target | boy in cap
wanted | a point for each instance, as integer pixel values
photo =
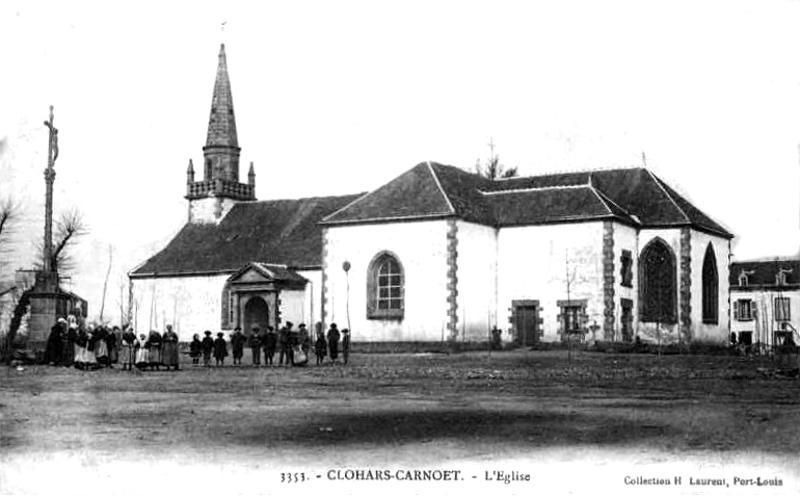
(345, 345)
(208, 348)
(255, 346)
(270, 345)
(220, 349)
(195, 349)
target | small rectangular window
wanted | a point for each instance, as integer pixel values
(626, 270)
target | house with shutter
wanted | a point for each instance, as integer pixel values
(765, 301)
(439, 254)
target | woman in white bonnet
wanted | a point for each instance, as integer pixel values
(142, 352)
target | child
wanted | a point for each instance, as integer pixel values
(237, 345)
(320, 348)
(345, 345)
(220, 349)
(208, 348)
(195, 349)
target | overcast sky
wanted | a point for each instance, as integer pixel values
(340, 97)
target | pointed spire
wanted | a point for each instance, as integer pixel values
(190, 169)
(251, 176)
(222, 124)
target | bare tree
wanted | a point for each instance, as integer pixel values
(69, 228)
(9, 211)
(105, 282)
(493, 169)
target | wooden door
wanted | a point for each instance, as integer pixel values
(526, 323)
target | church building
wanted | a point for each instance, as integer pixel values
(439, 254)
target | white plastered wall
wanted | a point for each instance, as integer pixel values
(191, 304)
(293, 307)
(312, 304)
(477, 280)
(533, 263)
(719, 332)
(421, 248)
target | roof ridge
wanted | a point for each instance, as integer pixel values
(662, 188)
(565, 171)
(617, 205)
(390, 218)
(305, 198)
(597, 194)
(527, 190)
(441, 189)
(348, 205)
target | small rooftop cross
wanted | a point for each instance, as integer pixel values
(491, 148)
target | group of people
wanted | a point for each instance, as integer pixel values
(89, 347)
(292, 347)
(85, 347)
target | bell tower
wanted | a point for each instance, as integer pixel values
(220, 189)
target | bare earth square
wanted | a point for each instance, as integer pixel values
(510, 409)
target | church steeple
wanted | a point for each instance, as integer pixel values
(220, 155)
(222, 123)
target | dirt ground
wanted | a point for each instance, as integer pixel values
(569, 424)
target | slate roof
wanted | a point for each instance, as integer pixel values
(288, 232)
(284, 232)
(761, 273)
(634, 196)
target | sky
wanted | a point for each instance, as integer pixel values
(340, 97)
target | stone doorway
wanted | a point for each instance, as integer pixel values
(256, 314)
(526, 322)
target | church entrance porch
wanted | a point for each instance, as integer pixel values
(258, 295)
(256, 313)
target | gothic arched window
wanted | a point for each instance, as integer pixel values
(657, 283)
(385, 288)
(710, 287)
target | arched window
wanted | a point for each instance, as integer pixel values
(385, 288)
(657, 283)
(710, 287)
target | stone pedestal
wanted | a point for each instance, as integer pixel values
(48, 303)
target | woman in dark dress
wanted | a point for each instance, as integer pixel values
(333, 342)
(169, 348)
(52, 352)
(68, 345)
(154, 340)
